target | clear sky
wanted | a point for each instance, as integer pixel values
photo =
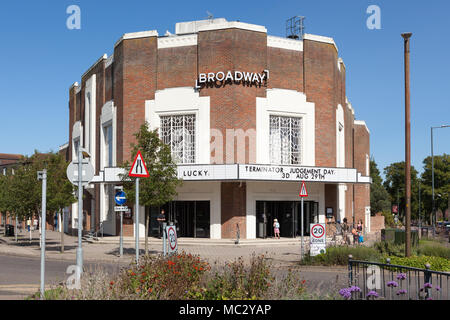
(40, 58)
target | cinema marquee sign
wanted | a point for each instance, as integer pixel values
(294, 173)
(266, 173)
(233, 76)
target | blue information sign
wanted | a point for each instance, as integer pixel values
(120, 198)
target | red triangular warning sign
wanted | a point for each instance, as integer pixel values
(139, 169)
(303, 191)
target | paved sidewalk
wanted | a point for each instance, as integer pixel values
(283, 252)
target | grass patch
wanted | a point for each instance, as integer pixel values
(338, 255)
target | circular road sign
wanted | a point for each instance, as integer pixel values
(87, 173)
(172, 237)
(120, 198)
(318, 231)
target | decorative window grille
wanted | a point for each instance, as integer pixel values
(285, 140)
(178, 131)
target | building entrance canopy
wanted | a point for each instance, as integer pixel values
(251, 172)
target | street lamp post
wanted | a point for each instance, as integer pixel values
(79, 252)
(406, 37)
(433, 213)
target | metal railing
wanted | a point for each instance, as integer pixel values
(370, 280)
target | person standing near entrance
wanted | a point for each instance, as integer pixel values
(345, 229)
(276, 228)
(161, 219)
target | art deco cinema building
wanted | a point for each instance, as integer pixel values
(248, 117)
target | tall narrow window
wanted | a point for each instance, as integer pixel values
(178, 131)
(108, 155)
(285, 140)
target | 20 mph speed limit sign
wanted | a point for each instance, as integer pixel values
(172, 239)
(317, 238)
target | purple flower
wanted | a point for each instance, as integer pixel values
(345, 293)
(438, 288)
(403, 291)
(428, 285)
(392, 284)
(355, 289)
(372, 294)
(401, 276)
(430, 298)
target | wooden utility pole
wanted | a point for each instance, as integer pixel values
(406, 37)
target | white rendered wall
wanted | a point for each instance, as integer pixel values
(340, 160)
(107, 117)
(284, 102)
(183, 100)
(280, 191)
(90, 122)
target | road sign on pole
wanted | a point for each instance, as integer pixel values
(317, 238)
(172, 239)
(87, 172)
(120, 198)
(303, 193)
(138, 169)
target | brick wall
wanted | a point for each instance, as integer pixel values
(320, 87)
(233, 106)
(377, 223)
(233, 208)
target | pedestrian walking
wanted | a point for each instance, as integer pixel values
(276, 228)
(29, 225)
(359, 229)
(355, 235)
(35, 224)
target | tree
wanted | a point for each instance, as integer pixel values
(5, 199)
(379, 197)
(160, 187)
(441, 183)
(395, 183)
(23, 195)
(59, 189)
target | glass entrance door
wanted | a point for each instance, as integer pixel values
(288, 214)
(191, 218)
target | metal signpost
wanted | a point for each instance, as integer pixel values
(138, 170)
(42, 175)
(80, 172)
(164, 239)
(317, 238)
(120, 199)
(303, 193)
(172, 239)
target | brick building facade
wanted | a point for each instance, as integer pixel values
(248, 116)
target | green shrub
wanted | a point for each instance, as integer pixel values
(338, 255)
(236, 281)
(436, 249)
(388, 219)
(436, 263)
(185, 276)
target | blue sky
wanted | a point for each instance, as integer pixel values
(40, 58)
